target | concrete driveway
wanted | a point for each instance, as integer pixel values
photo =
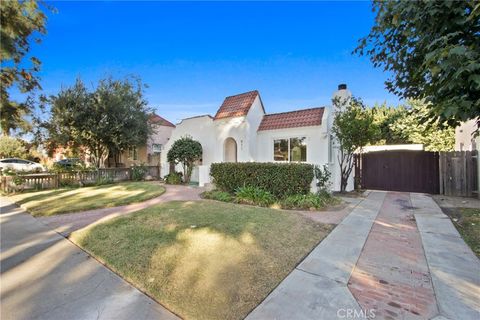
(45, 276)
(396, 256)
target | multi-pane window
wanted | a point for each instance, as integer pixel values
(156, 148)
(133, 153)
(292, 149)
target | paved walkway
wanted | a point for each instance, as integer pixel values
(396, 256)
(391, 275)
(69, 222)
(45, 276)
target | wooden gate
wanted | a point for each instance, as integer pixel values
(405, 170)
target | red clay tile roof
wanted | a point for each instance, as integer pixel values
(292, 119)
(155, 118)
(236, 106)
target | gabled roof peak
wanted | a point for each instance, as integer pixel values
(237, 105)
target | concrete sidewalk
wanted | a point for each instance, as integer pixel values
(45, 276)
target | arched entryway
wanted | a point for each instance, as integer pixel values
(230, 150)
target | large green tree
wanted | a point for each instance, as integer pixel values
(353, 128)
(22, 21)
(112, 117)
(413, 126)
(432, 50)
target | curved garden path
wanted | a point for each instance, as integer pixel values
(69, 222)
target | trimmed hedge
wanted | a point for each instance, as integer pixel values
(280, 179)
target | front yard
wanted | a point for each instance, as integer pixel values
(204, 259)
(50, 202)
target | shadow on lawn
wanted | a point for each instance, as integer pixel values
(202, 260)
(46, 203)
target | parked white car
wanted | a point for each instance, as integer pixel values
(20, 165)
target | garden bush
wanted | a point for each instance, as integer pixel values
(218, 195)
(279, 179)
(311, 201)
(174, 178)
(254, 196)
(139, 172)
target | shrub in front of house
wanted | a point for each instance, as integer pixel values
(279, 179)
(310, 201)
(254, 196)
(173, 178)
(218, 195)
(139, 172)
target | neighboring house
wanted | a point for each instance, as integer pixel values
(464, 138)
(241, 131)
(148, 154)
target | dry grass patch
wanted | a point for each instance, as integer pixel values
(204, 259)
(50, 202)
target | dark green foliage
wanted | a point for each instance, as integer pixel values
(112, 117)
(280, 179)
(432, 51)
(254, 196)
(218, 195)
(139, 172)
(310, 201)
(173, 178)
(185, 151)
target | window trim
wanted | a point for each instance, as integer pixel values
(288, 147)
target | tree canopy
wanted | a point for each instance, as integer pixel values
(22, 21)
(185, 151)
(112, 117)
(11, 147)
(432, 49)
(412, 127)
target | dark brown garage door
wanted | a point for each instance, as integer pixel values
(410, 171)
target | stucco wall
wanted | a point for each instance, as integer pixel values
(200, 129)
(464, 140)
(316, 141)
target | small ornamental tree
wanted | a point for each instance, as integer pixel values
(354, 128)
(185, 151)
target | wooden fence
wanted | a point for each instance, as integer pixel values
(55, 180)
(459, 173)
(453, 173)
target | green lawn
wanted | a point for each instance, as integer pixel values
(204, 259)
(50, 202)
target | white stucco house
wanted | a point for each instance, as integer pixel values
(242, 131)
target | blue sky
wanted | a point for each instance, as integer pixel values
(192, 55)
